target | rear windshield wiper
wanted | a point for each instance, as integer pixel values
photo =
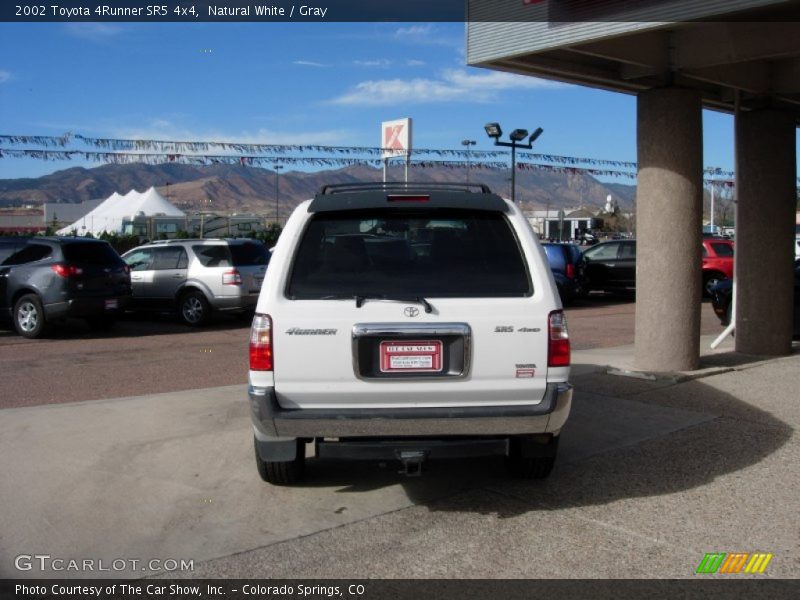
(361, 298)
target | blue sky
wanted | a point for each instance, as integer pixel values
(291, 83)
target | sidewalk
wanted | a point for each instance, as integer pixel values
(652, 474)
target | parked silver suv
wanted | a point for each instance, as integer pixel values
(197, 276)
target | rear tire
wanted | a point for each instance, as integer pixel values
(531, 467)
(282, 472)
(193, 308)
(29, 319)
(710, 280)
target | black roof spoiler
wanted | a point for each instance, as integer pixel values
(397, 194)
(402, 186)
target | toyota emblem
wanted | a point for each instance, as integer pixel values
(411, 311)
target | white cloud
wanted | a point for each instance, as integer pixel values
(92, 31)
(415, 63)
(427, 34)
(415, 31)
(381, 62)
(497, 80)
(307, 63)
(4, 76)
(453, 85)
(160, 129)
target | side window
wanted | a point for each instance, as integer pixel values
(627, 251)
(723, 249)
(28, 254)
(7, 249)
(604, 252)
(705, 252)
(183, 259)
(168, 258)
(141, 260)
(213, 255)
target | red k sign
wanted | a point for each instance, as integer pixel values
(396, 138)
(391, 137)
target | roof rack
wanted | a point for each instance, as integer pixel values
(180, 240)
(403, 186)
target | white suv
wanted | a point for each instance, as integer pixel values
(407, 322)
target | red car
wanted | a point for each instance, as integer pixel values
(717, 262)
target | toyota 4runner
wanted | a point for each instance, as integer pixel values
(407, 322)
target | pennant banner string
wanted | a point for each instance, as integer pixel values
(245, 153)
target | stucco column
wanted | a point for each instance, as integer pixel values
(669, 210)
(765, 215)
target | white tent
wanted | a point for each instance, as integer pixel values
(109, 215)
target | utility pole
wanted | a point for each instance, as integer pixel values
(277, 193)
(468, 143)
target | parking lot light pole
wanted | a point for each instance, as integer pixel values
(493, 130)
(277, 192)
(468, 143)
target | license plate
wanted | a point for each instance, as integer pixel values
(112, 304)
(411, 356)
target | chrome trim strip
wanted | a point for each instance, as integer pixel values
(367, 330)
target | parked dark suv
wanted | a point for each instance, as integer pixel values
(43, 280)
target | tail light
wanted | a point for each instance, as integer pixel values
(232, 278)
(66, 271)
(261, 344)
(570, 271)
(558, 352)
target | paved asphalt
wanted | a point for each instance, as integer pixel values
(652, 474)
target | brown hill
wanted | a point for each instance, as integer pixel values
(248, 189)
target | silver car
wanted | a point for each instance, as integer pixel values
(197, 276)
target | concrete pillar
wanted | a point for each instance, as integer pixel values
(669, 211)
(765, 215)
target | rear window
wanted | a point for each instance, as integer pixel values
(94, 253)
(249, 254)
(447, 253)
(555, 256)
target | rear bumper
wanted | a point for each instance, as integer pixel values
(273, 421)
(87, 306)
(234, 303)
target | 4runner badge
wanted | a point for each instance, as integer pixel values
(297, 331)
(411, 311)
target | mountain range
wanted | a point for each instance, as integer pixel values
(243, 189)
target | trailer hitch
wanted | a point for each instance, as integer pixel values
(411, 462)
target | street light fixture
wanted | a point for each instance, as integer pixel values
(493, 130)
(277, 192)
(468, 143)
